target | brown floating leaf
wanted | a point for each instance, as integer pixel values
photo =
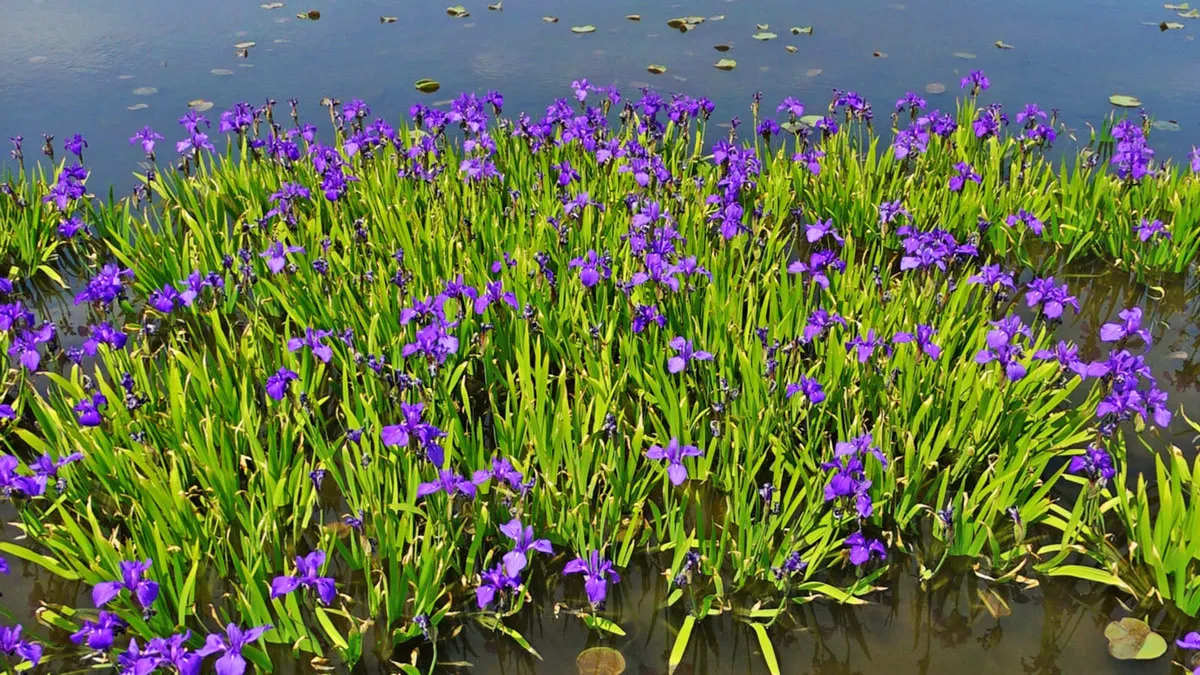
(879, 55)
(600, 661)
(634, 17)
(792, 48)
(656, 69)
(313, 15)
(388, 19)
(721, 47)
(1131, 638)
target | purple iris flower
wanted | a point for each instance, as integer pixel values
(674, 454)
(794, 108)
(104, 334)
(809, 387)
(924, 339)
(645, 315)
(230, 646)
(814, 231)
(1031, 221)
(1132, 156)
(277, 384)
(1129, 326)
(1189, 641)
(308, 570)
(1194, 158)
(566, 173)
(72, 226)
(597, 573)
(977, 81)
(810, 159)
(1095, 463)
(98, 634)
(1002, 347)
(1051, 297)
(434, 342)
(11, 644)
(172, 650)
(89, 410)
(817, 264)
(7, 412)
(313, 339)
(1147, 230)
(106, 286)
(890, 211)
(990, 275)
(863, 549)
(6, 285)
(133, 580)
(146, 138)
(276, 255)
(452, 484)
(864, 346)
(11, 481)
(75, 145)
(965, 173)
(25, 345)
(1067, 356)
(48, 468)
(413, 428)
(523, 542)
(493, 582)
(817, 322)
(192, 145)
(685, 353)
(135, 661)
(494, 292)
(592, 268)
(4, 566)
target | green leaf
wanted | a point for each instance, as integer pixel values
(1123, 101)
(802, 30)
(50, 564)
(427, 86)
(681, 641)
(764, 36)
(600, 623)
(1001, 44)
(1132, 638)
(583, 29)
(656, 69)
(764, 643)
(725, 64)
(457, 11)
(493, 623)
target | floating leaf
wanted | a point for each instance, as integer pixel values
(935, 88)
(721, 47)
(1123, 101)
(1193, 14)
(271, 5)
(1170, 25)
(600, 661)
(725, 64)
(583, 29)
(762, 26)
(550, 19)
(656, 69)
(497, 6)
(458, 11)
(200, 105)
(1131, 638)
(388, 19)
(792, 48)
(764, 36)
(1001, 44)
(427, 86)
(811, 120)
(802, 30)
(719, 17)
(244, 45)
(1166, 125)
(1177, 8)
(634, 17)
(221, 71)
(145, 91)
(964, 55)
(813, 72)
(312, 15)
(879, 55)
(138, 106)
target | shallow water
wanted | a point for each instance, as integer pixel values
(73, 65)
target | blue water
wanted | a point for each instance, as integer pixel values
(72, 65)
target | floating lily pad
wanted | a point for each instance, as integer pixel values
(221, 71)
(600, 661)
(685, 23)
(935, 88)
(124, 77)
(656, 69)
(1181, 7)
(1191, 14)
(634, 17)
(271, 5)
(138, 106)
(312, 15)
(244, 45)
(811, 120)
(200, 105)
(388, 19)
(719, 17)
(1131, 638)
(725, 64)
(721, 47)
(879, 55)
(583, 29)
(37, 59)
(1001, 44)
(813, 72)
(1170, 25)
(764, 36)
(792, 48)
(550, 19)
(802, 30)
(964, 55)
(762, 26)
(1123, 101)
(427, 86)
(458, 11)
(497, 6)
(145, 91)
(1165, 125)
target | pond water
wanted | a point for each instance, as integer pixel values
(105, 69)
(80, 65)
